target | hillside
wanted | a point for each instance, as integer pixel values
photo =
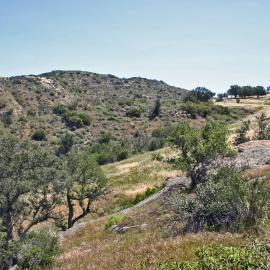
(27, 102)
(143, 209)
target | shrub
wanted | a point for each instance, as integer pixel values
(141, 197)
(114, 220)
(3, 104)
(134, 112)
(37, 250)
(107, 153)
(105, 137)
(263, 132)
(156, 143)
(72, 118)
(204, 109)
(60, 109)
(76, 120)
(39, 135)
(226, 201)
(7, 118)
(66, 143)
(121, 152)
(253, 256)
(241, 133)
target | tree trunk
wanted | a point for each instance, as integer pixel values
(7, 220)
(70, 211)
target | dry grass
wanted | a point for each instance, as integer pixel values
(139, 172)
(94, 248)
(91, 247)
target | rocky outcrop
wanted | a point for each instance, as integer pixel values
(252, 154)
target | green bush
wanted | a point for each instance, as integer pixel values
(253, 256)
(72, 118)
(37, 250)
(114, 220)
(66, 143)
(108, 153)
(105, 137)
(76, 120)
(134, 112)
(156, 143)
(39, 135)
(60, 109)
(226, 201)
(141, 197)
(204, 109)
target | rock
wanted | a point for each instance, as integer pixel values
(143, 226)
(253, 154)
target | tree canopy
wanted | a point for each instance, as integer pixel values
(199, 94)
(244, 91)
(199, 148)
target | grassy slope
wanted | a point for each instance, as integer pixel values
(93, 248)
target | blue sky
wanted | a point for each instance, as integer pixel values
(187, 43)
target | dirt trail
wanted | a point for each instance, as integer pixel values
(261, 105)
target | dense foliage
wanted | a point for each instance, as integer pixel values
(244, 91)
(199, 94)
(36, 251)
(71, 117)
(226, 201)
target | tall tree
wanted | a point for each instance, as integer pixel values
(234, 90)
(30, 187)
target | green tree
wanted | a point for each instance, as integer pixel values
(200, 94)
(155, 112)
(241, 133)
(30, 187)
(199, 149)
(85, 183)
(234, 90)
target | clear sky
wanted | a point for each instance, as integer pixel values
(187, 43)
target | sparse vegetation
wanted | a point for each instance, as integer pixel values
(80, 173)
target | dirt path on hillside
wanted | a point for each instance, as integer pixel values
(261, 105)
